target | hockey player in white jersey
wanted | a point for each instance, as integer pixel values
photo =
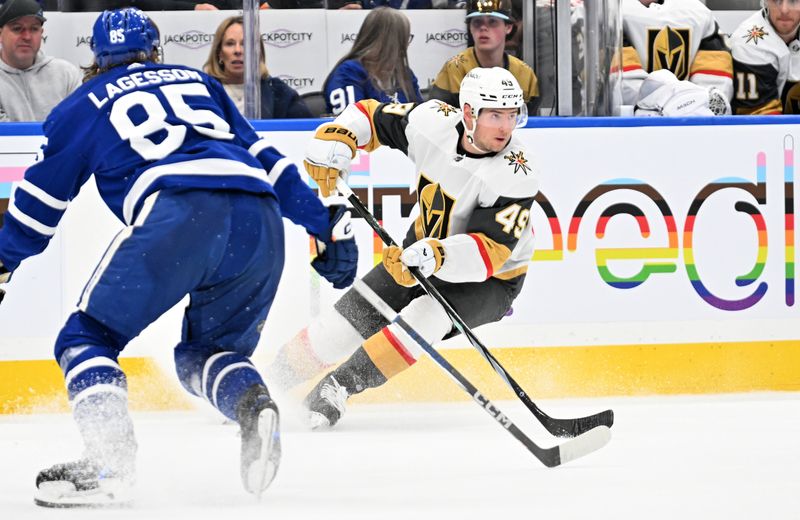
(681, 36)
(475, 188)
(766, 60)
(201, 196)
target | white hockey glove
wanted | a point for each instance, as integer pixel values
(718, 103)
(662, 94)
(328, 156)
(426, 254)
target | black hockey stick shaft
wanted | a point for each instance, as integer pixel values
(559, 427)
(551, 457)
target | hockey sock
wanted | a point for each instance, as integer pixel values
(359, 373)
(296, 362)
(223, 391)
(98, 391)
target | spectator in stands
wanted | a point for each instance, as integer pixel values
(149, 5)
(31, 84)
(311, 4)
(490, 22)
(410, 4)
(226, 63)
(764, 47)
(376, 66)
(679, 35)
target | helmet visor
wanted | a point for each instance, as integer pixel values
(503, 117)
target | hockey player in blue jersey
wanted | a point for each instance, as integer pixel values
(202, 198)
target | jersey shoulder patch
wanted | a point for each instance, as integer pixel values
(512, 172)
(433, 123)
(434, 115)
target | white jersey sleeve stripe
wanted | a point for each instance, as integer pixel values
(31, 222)
(278, 169)
(43, 196)
(256, 147)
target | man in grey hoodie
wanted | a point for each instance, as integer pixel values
(31, 84)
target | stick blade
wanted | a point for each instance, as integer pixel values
(584, 444)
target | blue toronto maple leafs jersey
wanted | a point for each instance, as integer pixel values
(350, 82)
(139, 129)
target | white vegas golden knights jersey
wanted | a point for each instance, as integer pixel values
(679, 35)
(478, 206)
(766, 69)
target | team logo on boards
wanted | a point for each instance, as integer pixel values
(668, 48)
(283, 38)
(754, 34)
(435, 207)
(193, 39)
(518, 161)
(451, 37)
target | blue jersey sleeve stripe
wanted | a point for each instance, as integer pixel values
(201, 167)
(43, 196)
(30, 222)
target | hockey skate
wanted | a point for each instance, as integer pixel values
(261, 441)
(81, 483)
(326, 403)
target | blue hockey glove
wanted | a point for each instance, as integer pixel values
(337, 258)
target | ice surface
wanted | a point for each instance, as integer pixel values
(704, 457)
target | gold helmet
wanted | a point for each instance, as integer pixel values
(497, 8)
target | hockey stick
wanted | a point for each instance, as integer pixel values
(572, 449)
(556, 426)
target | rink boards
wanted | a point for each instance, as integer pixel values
(665, 264)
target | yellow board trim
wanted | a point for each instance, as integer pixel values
(544, 372)
(630, 370)
(38, 387)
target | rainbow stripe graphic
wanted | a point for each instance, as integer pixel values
(665, 257)
(759, 192)
(788, 187)
(556, 253)
(8, 176)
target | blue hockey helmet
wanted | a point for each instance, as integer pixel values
(122, 35)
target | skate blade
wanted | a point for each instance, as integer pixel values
(262, 471)
(63, 495)
(318, 421)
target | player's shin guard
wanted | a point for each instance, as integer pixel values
(323, 343)
(261, 442)
(381, 357)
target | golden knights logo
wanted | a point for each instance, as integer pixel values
(669, 48)
(754, 34)
(435, 207)
(518, 161)
(444, 108)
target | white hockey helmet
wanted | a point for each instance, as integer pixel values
(492, 88)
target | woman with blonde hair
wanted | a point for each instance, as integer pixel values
(226, 63)
(377, 65)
